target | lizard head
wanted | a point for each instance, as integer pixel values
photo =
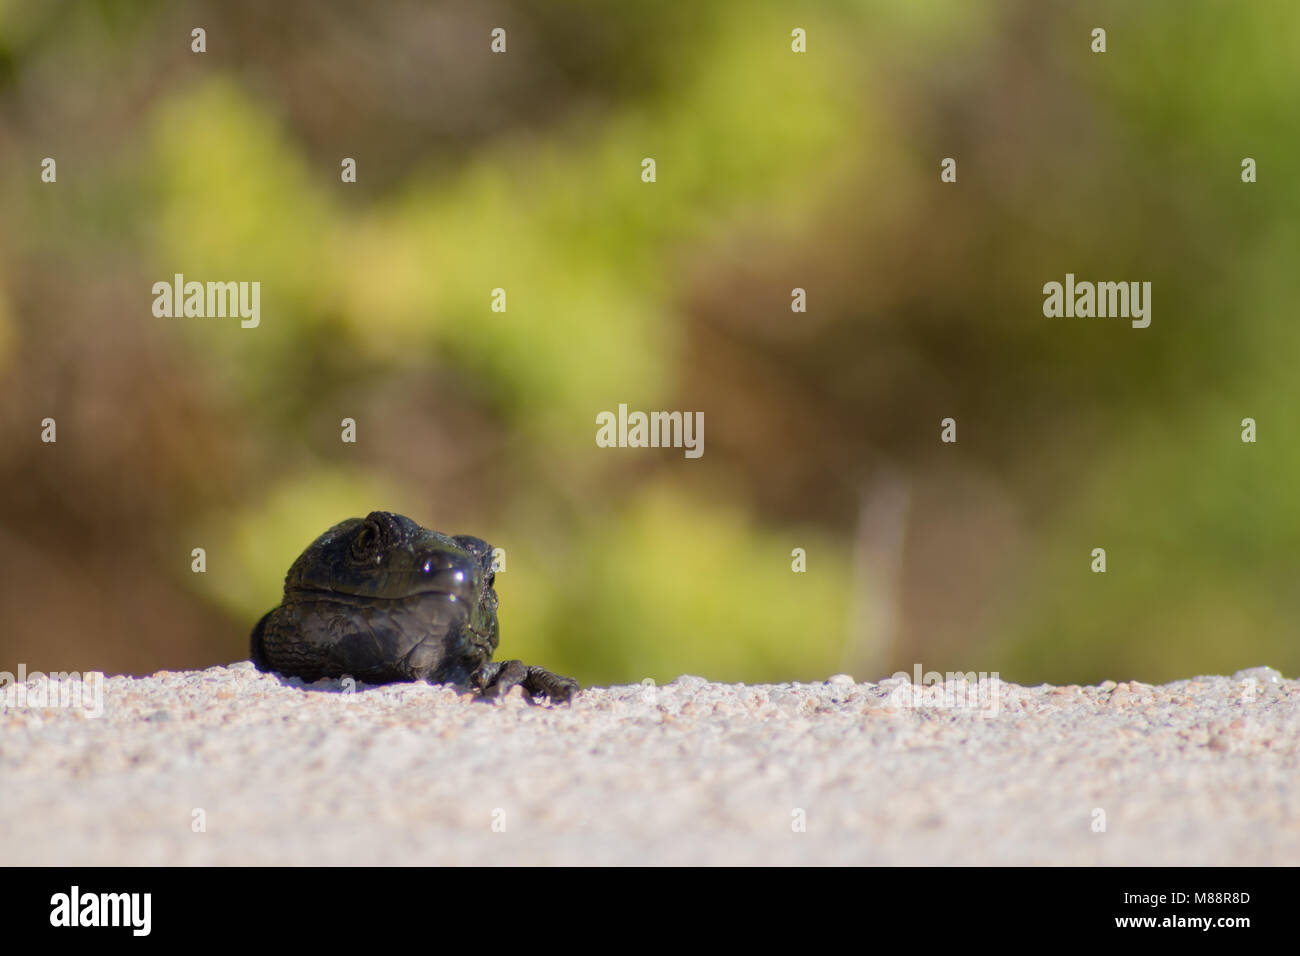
(388, 557)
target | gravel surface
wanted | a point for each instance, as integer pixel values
(230, 766)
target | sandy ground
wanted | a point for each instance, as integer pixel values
(230, 766)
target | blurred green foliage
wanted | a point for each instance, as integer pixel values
(774, 170)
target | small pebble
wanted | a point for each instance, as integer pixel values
(1265, 675)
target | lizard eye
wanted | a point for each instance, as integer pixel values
(366, 541)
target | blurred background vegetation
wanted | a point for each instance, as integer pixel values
(775, 171)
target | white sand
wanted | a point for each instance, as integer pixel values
(1196, 772)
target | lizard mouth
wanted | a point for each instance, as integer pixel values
(400, 576)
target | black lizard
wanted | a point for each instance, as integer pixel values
(382, 599)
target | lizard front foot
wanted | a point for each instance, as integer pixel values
(495, 678)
